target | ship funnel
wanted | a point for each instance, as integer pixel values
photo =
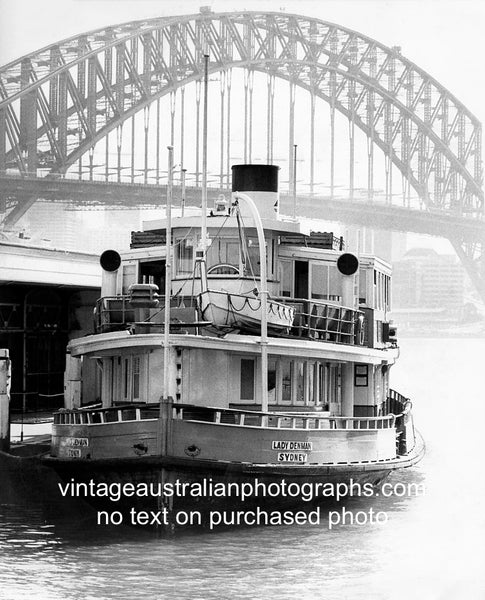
(348, 265)
(110, 261)
(260, 182)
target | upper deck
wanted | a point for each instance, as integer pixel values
(302, 274)
(310, 287)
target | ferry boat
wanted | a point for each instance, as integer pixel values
(267, 357)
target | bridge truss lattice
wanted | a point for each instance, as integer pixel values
(57, 105)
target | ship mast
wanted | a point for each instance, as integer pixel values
(168, 274)
(204, 156)
(201, 250)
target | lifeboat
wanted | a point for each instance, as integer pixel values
(229, 311)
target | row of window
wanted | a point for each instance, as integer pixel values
(322, 281)
(298, 279)
(124, 379)
(382, 291)
(293, 382)
(225, 251)
(290, 382)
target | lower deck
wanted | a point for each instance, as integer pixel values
(116, 368)
(233, 436)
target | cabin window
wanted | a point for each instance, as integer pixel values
(334, 283)
(153, 272)
(382, 296)
(378, 330)
(223, 252)
(128, 378)
(381, 291)
(136, 378)
(319, 281)
(286, 278)
(272, 392)
(300, 381)
(311, 388)
(105, 367)
(361, 375)
(272, 258)
(362, 286)
(334, 383)
(254, 266)
(247, 379)
(116, 382)
(330, 383)
(322, 397)
(231, 251)
(376, 290)
(286, 372)
(325, 282)
(185, 256)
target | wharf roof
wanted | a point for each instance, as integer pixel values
(27, 264)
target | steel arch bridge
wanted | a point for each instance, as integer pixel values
(57, 105)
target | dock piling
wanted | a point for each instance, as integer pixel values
(5, 375)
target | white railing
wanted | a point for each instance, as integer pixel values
(301, 421)
(222, 416)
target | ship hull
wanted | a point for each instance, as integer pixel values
(202, 487)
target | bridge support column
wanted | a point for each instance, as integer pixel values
(474, 265)
(28, 119)
(24, 202)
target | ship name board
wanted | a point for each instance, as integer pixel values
(291, 445)
(73, 453)
(76, 442)
(294, 457)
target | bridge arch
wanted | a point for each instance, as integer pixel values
(58, 102)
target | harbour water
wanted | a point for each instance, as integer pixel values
(431, 547)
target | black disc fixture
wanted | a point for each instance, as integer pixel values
(347, 264)
(110, 260)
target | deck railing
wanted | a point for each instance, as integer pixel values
(277, 420)
(221, 416)
(314, 319)
(393, 408)
(96, 416)
(112, 313)
(396, 404)
(115, 313)
(326, 321)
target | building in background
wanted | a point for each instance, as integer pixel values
(428, 290)
(389, 245)
(52, 224)
(62, 226)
